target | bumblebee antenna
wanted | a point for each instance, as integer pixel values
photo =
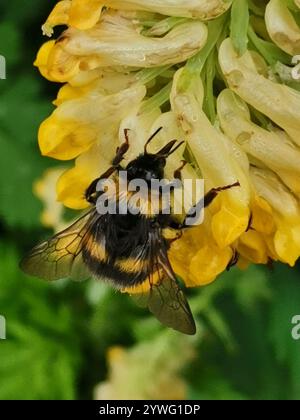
(150, 139)
(169, 148)
(175, 148)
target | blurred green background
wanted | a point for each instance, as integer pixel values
(64, 339)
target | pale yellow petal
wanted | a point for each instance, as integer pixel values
(200, 9)
(84, 14)
(279, 102)
(218, 167)
(282, 27)
(262, 144)
(77, 123)
(113, 42)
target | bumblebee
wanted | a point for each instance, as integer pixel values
(125, 250)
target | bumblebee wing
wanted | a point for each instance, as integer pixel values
(165, 298)
(61, 256)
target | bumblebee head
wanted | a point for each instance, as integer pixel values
(150, 166)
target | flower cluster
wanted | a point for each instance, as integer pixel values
(217, 74)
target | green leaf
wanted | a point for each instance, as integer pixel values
(214, 387)
(21, 111)
(268, 50)
(40, 359)
(14, 10)
(215, 30)
(286, 306)
(257, 9)
(19, 168)
(10, 42)
(209, 103)
(239, 25)
(291, 5)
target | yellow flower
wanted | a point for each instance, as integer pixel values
(82, 117)
(285, 206)
(197, 258)
(141, 65)
(118, 41)
(73, 183)
(81, 14)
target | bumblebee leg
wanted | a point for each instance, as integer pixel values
(177, 173)
(204, 202)
(234, 260)
(91, 193)
(214, 192)
(122, 150)
(174, 224)
(178, 236)
(249, 227)
(151, 138)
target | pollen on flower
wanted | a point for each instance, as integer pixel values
(139, 65)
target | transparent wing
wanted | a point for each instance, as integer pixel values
(61, 256)
(165, 299)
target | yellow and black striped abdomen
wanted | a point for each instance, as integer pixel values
(118, 250)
